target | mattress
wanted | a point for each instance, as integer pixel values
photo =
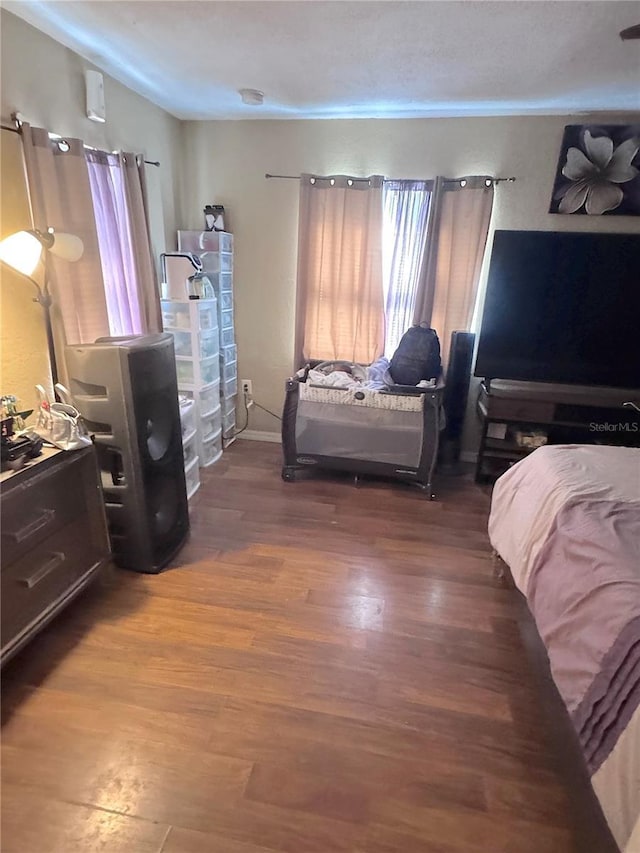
(567, 522)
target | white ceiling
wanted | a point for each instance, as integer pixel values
(319, 59)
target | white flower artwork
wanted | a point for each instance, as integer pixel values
(596, 171)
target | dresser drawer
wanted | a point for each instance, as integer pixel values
(39, 507)
(33, 584)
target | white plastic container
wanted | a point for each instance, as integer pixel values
(190, 448)
(229, 388)
(229, 424)
(226, 300)
(187, 416)
(227, 405)
(207, 399)
(196, 344)
(204, 241)
(227, 337)
(192, 476)
(225, 316)
(197, 373)
(195, 315)
(210, 424)
(229, 372)
(224, 282)
(211, 449)
(228, 354)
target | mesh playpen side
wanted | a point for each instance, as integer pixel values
(371, 433)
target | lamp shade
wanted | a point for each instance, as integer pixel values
(66, 246)
(21, 251)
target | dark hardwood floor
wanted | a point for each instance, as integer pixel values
(326, 668)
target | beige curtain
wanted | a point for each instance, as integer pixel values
(456, 241)
(61, 198)
(137, 206)
(340, 303)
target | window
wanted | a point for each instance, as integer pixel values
(114, 239)
(404, 232)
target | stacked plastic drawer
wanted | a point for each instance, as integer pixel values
(194, 326)
(215, 250)
(190, 444)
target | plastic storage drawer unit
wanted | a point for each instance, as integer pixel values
(192, 476)
(187, 415)
(211, 449)
(190, 448)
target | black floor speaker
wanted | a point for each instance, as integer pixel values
(126, 390)
(455, 395)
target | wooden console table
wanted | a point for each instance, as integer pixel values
(54, 540)
(564, 414)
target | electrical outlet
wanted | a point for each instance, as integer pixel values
(247, 387)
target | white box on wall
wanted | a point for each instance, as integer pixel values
(96, 109)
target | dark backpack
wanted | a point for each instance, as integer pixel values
(417, 357)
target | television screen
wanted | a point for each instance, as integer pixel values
(562, 307)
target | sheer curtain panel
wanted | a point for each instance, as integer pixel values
(456, 241)
(60, 196)
(340, 300)
(129, 278)
(406, 209)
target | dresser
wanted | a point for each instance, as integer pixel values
(54, 540)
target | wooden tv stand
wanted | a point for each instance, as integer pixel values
(562, 414)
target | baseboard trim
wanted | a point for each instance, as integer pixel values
(259, 435)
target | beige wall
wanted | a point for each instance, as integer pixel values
(45, 82)
(226, 162)
(24, 358)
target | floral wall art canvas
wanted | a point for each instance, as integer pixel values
(598, 170)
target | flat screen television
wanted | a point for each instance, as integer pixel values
(562, 308)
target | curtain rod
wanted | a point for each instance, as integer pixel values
(387, 180)
(18, 130)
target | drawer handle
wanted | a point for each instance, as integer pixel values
(28, 530)
(57, 558)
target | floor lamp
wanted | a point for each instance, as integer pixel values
(23, 251)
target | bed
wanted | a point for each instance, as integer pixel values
(566, 521)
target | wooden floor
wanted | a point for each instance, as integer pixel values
(327, 668)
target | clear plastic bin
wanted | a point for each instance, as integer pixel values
(226, 300)
(211, 449)
(195, 315)
(228, 354)
(187, 416)
(226, 318)
(197, 373)
(205, 241)
(227, 337)
(196, 345)
(190, 447)
(229, 424)
(209, 344)
(210, 423)
(227, 405)
(228, 372)
(229, 388)
(207, 399)
(192, 476)
(214, 262)
(222, 281)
